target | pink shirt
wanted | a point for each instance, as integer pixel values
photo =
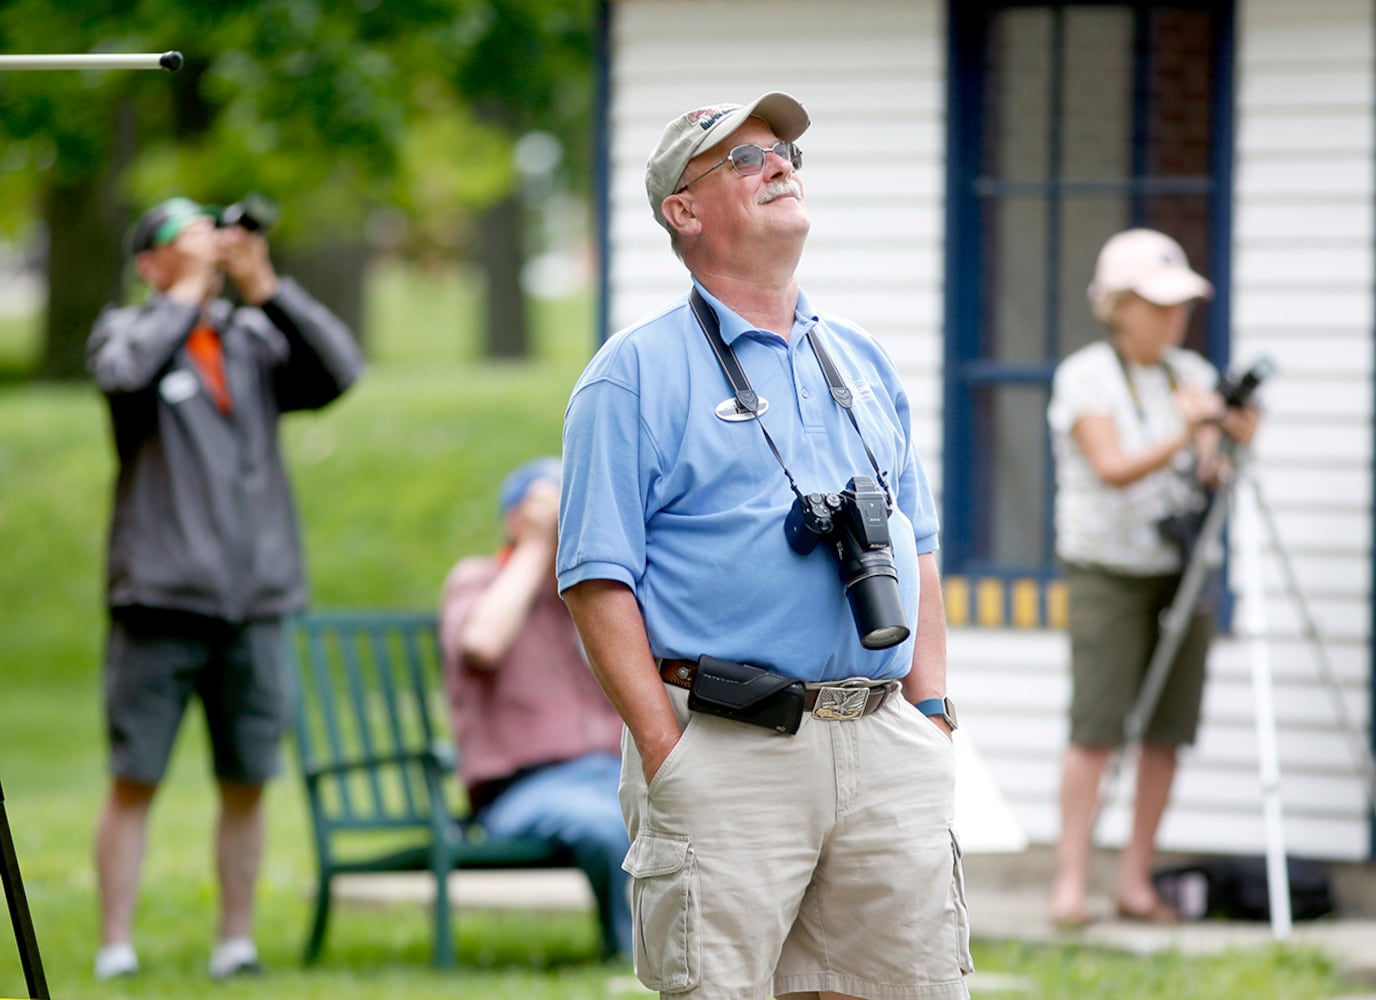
(542, 703)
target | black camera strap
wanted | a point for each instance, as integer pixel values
(842, 394)
(747, 401)
(1132, 386)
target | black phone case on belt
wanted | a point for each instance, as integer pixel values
(747, 694)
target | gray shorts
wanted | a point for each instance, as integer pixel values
(1114, 626)
(156, 660)
(766, 864)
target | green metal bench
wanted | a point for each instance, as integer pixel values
(374, 750)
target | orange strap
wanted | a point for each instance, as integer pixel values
(204, 347)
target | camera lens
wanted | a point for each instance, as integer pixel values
(884, 636)
(871, 582)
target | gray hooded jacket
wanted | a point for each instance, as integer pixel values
(203, 518)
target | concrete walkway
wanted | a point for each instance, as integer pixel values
(1003, 907)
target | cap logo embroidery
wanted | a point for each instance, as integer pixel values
(705, 118)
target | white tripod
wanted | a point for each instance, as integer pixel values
(1241, 495)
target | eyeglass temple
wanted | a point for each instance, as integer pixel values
(793, 152)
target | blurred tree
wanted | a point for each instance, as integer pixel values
(555, 38)
(344, 112)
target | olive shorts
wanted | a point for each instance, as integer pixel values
(1114, 626)
(156, 660)
(766, 864)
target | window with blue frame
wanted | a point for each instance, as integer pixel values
(1067, 123)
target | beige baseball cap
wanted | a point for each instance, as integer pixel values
(692, 132)
(1149, 263)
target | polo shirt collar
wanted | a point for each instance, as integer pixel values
(733, 326)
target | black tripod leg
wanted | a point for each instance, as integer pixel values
(1175, 623)
(19, 909)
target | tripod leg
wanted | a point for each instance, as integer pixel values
(1175, 623)
(19, 909)
(1360, 751)
(1268, 758)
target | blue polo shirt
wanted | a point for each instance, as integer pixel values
(687, 509)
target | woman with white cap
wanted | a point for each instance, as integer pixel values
(1135, 421)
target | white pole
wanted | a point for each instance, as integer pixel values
(144, 60)
(1268, 760)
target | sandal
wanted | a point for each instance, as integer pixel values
(1157, 913)
(1074, 920)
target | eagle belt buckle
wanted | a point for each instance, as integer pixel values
(840, 704)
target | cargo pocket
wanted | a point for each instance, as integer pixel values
(962, 914)
(664, 899)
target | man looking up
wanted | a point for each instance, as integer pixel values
(204, 555)
(796, 844)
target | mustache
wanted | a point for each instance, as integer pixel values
(780, 188)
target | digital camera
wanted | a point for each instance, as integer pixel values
(253, 213)
(856, 523)
(1183, 528)
(1237, 392)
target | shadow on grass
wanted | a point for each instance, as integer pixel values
(11, 376)
(493, 941)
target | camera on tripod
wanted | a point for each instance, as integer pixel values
(1183, 528)
(1237, 392)
(856, 522)
(253, 213)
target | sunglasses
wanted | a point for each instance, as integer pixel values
(749, 158)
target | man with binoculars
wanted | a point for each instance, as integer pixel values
(204, 554)
(747, 546)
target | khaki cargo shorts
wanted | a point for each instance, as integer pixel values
(767, 864)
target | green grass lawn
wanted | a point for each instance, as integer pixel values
(395, 482)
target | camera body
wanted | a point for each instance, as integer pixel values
(1237, 392)
(1183, 528)
(254, 213)
(856, 523)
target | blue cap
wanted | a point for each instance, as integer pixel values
(518, 483)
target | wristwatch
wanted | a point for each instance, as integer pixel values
(943, 708)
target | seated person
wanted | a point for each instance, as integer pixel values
(540, 745)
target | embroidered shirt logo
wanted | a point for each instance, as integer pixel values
(861, 389)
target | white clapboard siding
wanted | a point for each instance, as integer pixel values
(1297, 312)
(1302, 397)
(1339, 530)
(1013, 688)
(1332, 218)
(1315, 354)
(1303, 295)
(872, 74)
(1319, 440)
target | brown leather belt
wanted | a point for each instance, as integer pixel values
(680, 673)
